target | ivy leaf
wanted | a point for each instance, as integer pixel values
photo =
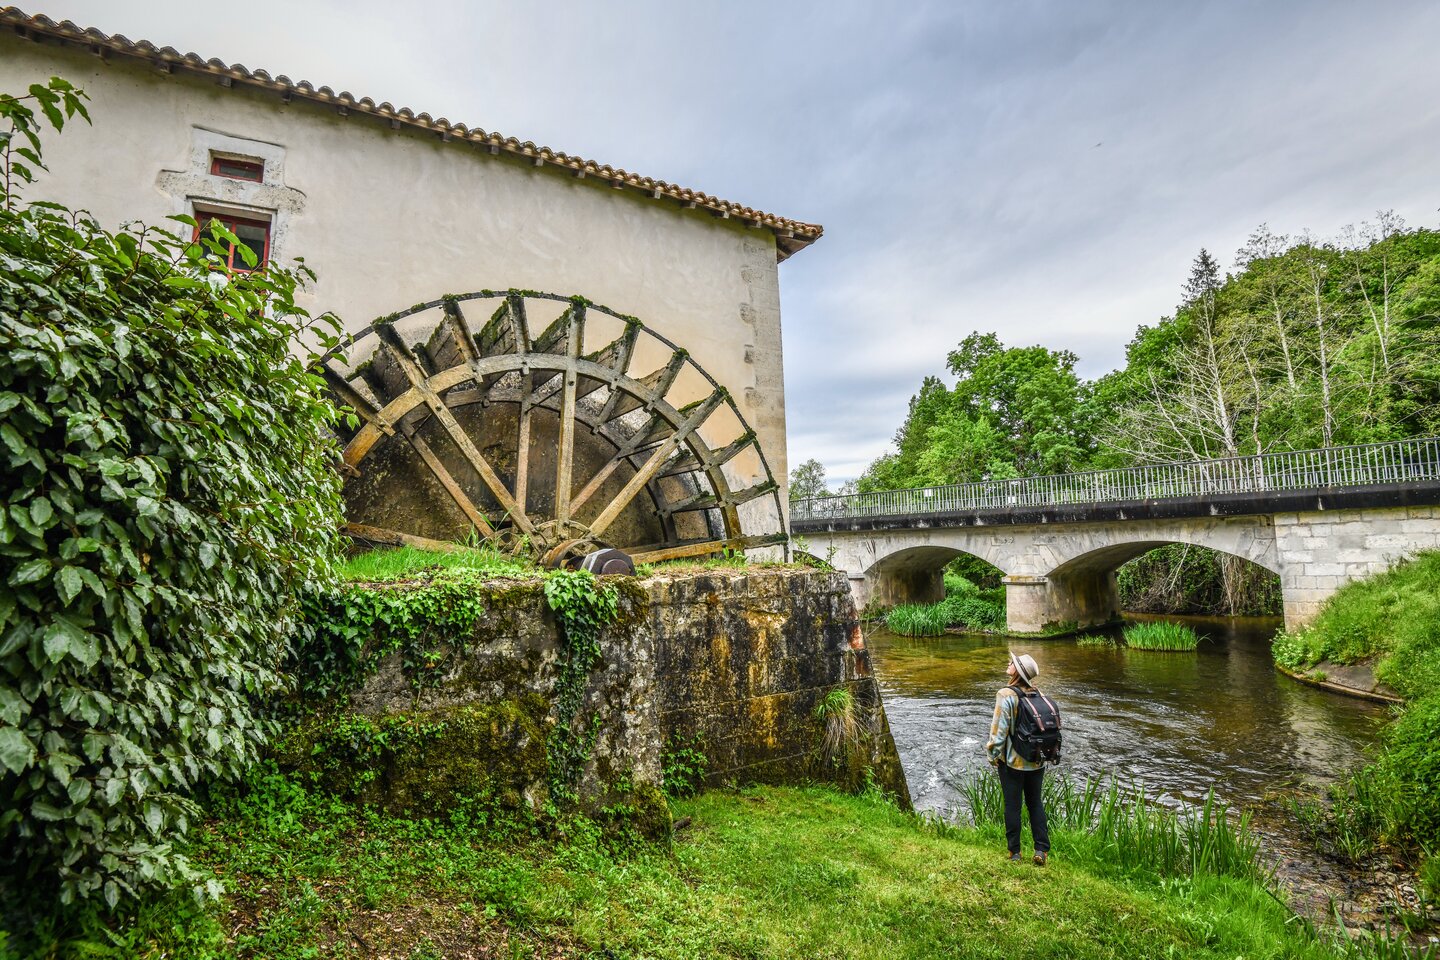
(63, 637)
(41, 511)
(29, 572)
(68, 583)
(12, 706)
(16, 751)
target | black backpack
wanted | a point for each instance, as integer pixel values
(1036, 731)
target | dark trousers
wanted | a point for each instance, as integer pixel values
(1018, 784)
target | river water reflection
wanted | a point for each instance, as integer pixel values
(1180, 723)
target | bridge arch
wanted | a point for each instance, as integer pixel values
(1317, 518)
(1082, 588)
(914, 574)
(1111, 557)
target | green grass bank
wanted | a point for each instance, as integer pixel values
(966, 606)
(1391, 622)
(768, 872)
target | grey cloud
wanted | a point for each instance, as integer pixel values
(948, 147)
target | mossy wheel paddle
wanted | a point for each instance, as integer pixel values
(594, 429)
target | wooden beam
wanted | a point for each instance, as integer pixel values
(657, 460)
(447, 480)
(565, 463)
(390, 342)
(395, 538)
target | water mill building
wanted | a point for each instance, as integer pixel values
(649, 412)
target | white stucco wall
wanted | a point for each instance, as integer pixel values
(388, 218)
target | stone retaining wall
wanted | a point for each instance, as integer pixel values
(732, 662)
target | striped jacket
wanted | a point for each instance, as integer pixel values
(998, 747)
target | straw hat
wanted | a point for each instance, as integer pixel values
(1026, 669)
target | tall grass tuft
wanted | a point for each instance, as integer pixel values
(1095, 640)
(382, 564)
(917, 620)
(1161, 636)
(845, 726)
(1121, 827)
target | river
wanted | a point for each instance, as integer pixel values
(1179, 723)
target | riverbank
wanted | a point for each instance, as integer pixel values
(1389, 624)
(766, 872)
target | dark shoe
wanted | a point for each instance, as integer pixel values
(1015, 858)
(1040, 857)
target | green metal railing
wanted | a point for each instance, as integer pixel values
(1401, 461)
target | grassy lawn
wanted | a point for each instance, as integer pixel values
(767, 872)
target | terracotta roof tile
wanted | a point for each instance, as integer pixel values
(790, 235)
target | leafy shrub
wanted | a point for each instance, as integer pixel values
(958, 586)
(974, 612)
(1161, 636)
(1288, 649)
(349, 629)
(683, 766)
(167, 489)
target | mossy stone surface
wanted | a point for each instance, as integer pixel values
(738, 658)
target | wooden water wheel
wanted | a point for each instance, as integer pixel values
(547, 442)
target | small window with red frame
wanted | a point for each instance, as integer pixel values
(235, 169)
(254, 234)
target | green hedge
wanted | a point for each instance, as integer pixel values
(168, 489)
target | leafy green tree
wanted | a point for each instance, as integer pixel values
(168, 488)
(1012, 411)
(808, 480)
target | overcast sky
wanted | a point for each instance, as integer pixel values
(1045, 170)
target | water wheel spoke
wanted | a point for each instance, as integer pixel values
(394, 348)
(622, 455)
(522, 444)
(507, 330)
(447, 480)
(617, 353)
(557, 338)
(691, 462)
(697, 414)
(574, 319)
(655, 384)
(709, 501)
(352, 398)
(452, 342)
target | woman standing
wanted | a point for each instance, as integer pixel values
(1019, 778)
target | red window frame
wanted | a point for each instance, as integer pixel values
(252, 170)
(234, 262)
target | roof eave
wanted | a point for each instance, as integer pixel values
(791, 236)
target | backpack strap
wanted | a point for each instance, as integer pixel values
(1054, 710)
(1025, 699)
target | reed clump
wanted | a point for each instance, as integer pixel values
(1161, 636)
(1116, 824)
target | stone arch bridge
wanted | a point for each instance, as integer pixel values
(1316, 518)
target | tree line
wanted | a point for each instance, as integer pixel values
(1305, 342)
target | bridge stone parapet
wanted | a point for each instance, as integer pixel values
(1324, 550)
